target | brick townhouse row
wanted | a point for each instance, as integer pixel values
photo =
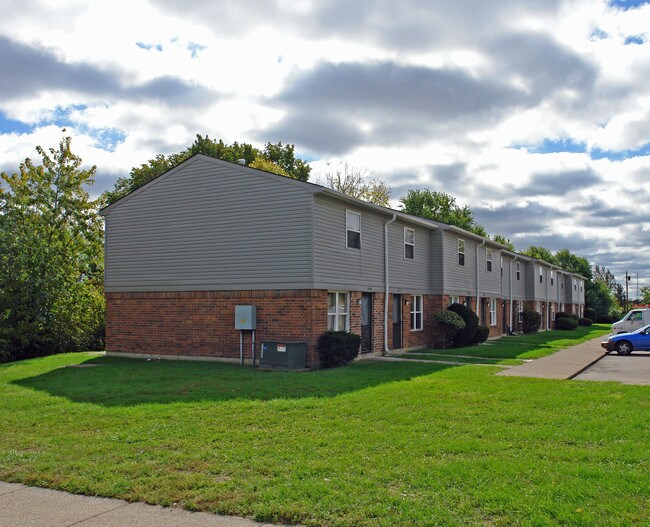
(209, 235)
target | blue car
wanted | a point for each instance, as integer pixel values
(626, 343)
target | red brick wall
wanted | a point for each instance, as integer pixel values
(201, 323)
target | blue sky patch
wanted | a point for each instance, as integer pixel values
(628, 4)
(194, 49)
(555, 146)
(8, 126)
(598, 34)
(620, 155)
(149, 47)
(634, 39)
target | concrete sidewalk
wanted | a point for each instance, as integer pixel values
(564, 364)
(22, 506)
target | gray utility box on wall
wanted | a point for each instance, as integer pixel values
(284, 355)
(245, 317)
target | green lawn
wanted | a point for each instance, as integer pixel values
(377, 444)
(520, 347)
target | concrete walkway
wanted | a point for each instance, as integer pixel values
(22, 506)
(564, 364)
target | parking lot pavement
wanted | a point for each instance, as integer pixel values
(630, 369)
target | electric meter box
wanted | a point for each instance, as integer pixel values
(245, 317)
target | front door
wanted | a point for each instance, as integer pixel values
(397, 321)
(504, 316)
(366, 322)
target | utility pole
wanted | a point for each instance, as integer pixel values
(627, 281)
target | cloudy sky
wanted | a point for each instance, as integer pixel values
(534, 113)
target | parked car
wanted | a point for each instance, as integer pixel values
(635, 319)
(626, 343)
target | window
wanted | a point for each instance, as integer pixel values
(454, 300)
(553, 312)
(575, 285)
(461, 252)
(409, 243)
(416, 313)
(493, 311)
(338, 311)
(518, 271)
(552, 279)
(488, 260)
(520, 309)
(501, 260)
(562, 283)
(541, 274)
(353, 228)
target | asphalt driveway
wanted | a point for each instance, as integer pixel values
(630, 369)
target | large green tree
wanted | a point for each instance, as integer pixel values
(499, 238)
(51, 263)
(277, 158)
(541, 253)
(574, 263)
(441, 207)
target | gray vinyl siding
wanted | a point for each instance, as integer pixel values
(436, 256)
(409, 276)
(458, 280)
(335, 265)
(489, 282)
(210, 225)
(519, 286)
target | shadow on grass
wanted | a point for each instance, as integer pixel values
(128, 382)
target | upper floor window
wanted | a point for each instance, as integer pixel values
(353, 229)
(518, 271)
(488, 260)
(416, 313)
(461, 252)
(541, 274)
(501, 261)
(338, 311)
(575, 285)
(409, 243)
(552, 279)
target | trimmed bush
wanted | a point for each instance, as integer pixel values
(565, 323)
(337, 348)
(481, 335)
(531, 320)
(590, 313)
(585, 322)
(464, 336)
(564, 314)
(448, 323)
(606, 319)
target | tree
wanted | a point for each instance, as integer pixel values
(573, 263)
(645, 294)
(605, 275)
(51, 265)
(277, 158)
(541, 253)
(441, 207)
(358, 184)
(504, 241)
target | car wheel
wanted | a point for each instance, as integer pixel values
(623, 347)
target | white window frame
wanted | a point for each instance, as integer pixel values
(454, 300)
(541, 274)
(493, 311)
(333, 316)
(553, 312)
(348, 228)
(417, 308)
(520, 311)
(501, 263)
(488, 260)
(461, 252)
(410, 244)
(552, 277)
(518, 270)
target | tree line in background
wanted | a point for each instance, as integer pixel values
(51, 236)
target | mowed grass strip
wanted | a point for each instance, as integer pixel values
(531, 346)
(436, 355)
(373, 444)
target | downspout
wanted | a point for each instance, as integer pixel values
(548, 308)
(386, 350)
(478, 306)
(512, 321)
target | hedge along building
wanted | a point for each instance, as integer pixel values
(208, 235)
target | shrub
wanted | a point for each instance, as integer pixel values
(481, 335)
(590, 313)
(336, 348)
(606, 319)
(565, 323)
(448, 323)
(585, 322)
(531, 320)
(564, 314)
(464, 336)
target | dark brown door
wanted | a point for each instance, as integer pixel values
(366, 322)
(397, 321)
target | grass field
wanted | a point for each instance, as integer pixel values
(376, 444)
